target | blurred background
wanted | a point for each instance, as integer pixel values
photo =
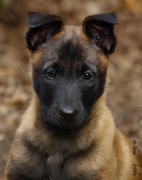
(125, 71)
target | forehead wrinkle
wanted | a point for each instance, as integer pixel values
(75, 50)
(70, 32)
(50, 55)
(72, 44)
(71, 56)
(71, 49)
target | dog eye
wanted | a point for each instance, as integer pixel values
(51, 74)
(88, 76)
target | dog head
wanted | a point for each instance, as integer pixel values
(69, 66)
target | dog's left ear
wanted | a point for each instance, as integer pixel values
(100, 29)
(42, 27)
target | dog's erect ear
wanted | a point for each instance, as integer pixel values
(100, 29)
(41, 27)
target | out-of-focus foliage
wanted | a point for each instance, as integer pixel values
(125, 71)
(133, 6)
(4, 4)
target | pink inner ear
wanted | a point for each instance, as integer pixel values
(101, 37)
(35, 38)
(39, 36)
(43, 32)
(96, 31)
(107, 44)
(40, 31)
(97, 34)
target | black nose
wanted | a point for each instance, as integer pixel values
(68, 113)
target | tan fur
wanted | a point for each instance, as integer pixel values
(98, 149)
(108, 152)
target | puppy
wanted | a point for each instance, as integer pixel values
(68, 132)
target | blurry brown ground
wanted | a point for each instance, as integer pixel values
(125, 84)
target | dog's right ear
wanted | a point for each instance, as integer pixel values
(41, 28)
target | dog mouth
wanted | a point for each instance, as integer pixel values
(65, 119)
(66, 125)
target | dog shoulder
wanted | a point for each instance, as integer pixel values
(127, 160)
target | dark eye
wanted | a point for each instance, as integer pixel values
(88, 76)
(51, 74)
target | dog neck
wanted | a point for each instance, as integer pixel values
(87, 137)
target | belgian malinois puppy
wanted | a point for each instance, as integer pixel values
(67, 132)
